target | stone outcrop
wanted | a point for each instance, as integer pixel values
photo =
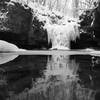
(15, 22)
(17, 27)
(96, 24)
(7, 47)
(87, 37)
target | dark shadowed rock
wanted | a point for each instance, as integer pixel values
(16, 26)
(87, 38)
(38, 35)
(19, 19)
(96, 24)
(15, 22)
(21, 70)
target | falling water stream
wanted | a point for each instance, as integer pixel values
(64, 31)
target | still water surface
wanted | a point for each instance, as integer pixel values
(45, 77)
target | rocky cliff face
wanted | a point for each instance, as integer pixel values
(96, 24)
(15, 22)
(87, 37)
(16, 26)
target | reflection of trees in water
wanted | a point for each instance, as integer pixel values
(4, 58)
(60, 65)
(58, 83)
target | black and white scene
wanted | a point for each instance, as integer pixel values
(49, 49)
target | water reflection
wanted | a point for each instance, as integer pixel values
(58, 81)
(56, 77)
(4, 57)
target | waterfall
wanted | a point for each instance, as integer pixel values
(63, 31)
(61, 35)
(60, 30)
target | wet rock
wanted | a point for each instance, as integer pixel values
(7, 47)
(84, 41)
(96, 24)
(15, 23)
(38, 35)
(87, 37)
(19, 19)
(17, 27)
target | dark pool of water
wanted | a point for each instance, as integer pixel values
(56, 77)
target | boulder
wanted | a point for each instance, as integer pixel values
(7, 47)
(96, 24)
(86, 39)
(38, 35)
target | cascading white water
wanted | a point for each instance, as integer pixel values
(66, 29)
(61, 35)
